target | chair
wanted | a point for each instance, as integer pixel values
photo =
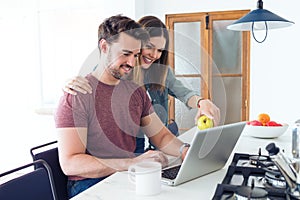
(50, 155)
(36, 184)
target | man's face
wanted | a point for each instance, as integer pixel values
(122, 54)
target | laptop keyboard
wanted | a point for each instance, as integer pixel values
(171, 173)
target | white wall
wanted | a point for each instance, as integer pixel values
(274, 64)
(73, 37)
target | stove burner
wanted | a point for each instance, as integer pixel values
(244, 172)
(230, 196)
(246, 192)
(275, 180)
(256, 160)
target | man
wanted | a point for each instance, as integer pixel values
(97, 132)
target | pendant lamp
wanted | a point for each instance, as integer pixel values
(259, 19)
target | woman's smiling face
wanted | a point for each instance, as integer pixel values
(152, 51)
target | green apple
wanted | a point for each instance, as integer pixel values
(204, 122)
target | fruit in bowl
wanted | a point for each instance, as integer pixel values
(264, 118)
(265, 131)
(263, 127)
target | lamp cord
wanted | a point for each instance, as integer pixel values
(265, 34)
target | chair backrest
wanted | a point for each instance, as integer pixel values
(51, 157)
(36, 184)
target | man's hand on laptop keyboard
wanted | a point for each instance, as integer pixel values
(152, 155)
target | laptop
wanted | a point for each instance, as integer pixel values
(209, 152)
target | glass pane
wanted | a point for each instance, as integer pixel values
(227, 95)
(184, 116)
(227, 47)
(187, 47)
(191, 83)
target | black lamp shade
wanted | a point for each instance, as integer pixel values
(262, 19)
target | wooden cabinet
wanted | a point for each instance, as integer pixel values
(211, 59)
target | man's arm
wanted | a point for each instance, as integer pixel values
(75, 162)
(161, 137)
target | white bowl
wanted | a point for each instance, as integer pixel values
(265, 131)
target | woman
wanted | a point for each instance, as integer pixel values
(156, 76)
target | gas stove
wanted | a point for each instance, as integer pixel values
(252, 177)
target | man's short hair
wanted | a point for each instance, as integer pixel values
(111, 28)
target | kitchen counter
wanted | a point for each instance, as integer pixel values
(118, 186)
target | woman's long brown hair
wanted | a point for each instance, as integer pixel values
(158, 70)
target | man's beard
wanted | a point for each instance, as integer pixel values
(115, 73)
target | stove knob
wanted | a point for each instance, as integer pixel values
(272, 149)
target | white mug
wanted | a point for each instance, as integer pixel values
(146, 176)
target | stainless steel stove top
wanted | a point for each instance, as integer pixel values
(252, 177)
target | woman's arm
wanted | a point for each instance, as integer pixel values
(192, 99)
(178, 90)
(205, 107)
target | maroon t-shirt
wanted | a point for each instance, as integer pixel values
(111, 114)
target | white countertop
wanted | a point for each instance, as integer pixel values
(117, 186)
